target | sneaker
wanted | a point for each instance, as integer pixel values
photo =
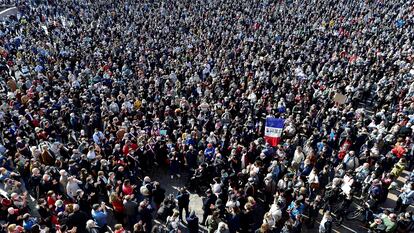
(178, 175)
(172, 177)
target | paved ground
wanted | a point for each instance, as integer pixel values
(5, 11)
(172, 186)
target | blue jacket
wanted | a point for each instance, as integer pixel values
(27, 225)
(100, 218)
(209, 153)
(295, 211)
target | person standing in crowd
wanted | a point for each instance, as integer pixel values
(99, 215)
(212, 222)
(208, 204)
(183, 200)
(77, 219)
(326, 223)
(406, 198)
(144, 213)
(158, 194)
(192, 222)
(92, 227)
(131, 210)
(173, 222)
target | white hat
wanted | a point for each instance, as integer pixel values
(11, 210)
(268, 176)
(59, 203)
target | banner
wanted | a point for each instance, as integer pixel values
(273, 130)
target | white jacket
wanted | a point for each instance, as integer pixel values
(72, 187)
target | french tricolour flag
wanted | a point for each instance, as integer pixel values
(273, 130)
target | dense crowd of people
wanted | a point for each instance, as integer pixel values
(96, 95)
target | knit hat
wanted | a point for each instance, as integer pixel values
(59, 203)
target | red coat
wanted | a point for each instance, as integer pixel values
(344, 148)
(118, 206)
(127, 190)
(398, 151)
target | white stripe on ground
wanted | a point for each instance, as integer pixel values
(5, 12)
(349, 229)
(337, 231)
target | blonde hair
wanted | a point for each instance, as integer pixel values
(251, 200)
(35, 170)
(113, 196)
(11, 228)
(176, 213)
(248, 206)
(118, 226)
(69, 208)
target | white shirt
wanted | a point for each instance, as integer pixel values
(298, 157)
(313, 178)
(276, 212)
(71, 187)
(91, 155)
(216, 188)
(322, 226)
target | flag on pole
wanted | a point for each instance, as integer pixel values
(273, 130)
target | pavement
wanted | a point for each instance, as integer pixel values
(6, 11)
(172, 186)
(354, 226)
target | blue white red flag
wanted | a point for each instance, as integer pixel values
(273, 130)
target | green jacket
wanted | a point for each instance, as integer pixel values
(391, 226)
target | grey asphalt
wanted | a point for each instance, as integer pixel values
(5, 12)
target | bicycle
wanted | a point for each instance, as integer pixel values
(363, 210)
(337, 219)
(337, 210)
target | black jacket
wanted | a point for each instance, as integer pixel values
(192, 224)
(211, 200)
(78, 219)
(183, 199)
